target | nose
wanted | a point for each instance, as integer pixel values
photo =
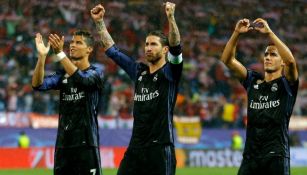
(148, 49)
(267, 57)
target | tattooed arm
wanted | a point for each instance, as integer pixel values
(174, 35)
(97, 14)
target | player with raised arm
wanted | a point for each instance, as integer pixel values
(270, 102)
(80, 85)
(151, 149)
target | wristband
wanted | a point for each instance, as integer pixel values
(60, 56)
(174, 59)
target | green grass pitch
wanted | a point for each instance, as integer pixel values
(179, 171)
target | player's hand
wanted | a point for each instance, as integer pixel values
(42, 49)
(56, 42)
(243, 26)
(262, 26)
(97, 12)
(169, 9)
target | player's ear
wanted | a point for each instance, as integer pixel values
(165, 49)
(89, 50)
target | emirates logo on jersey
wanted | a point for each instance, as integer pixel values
(264, 103)
(146, 95)
(73, 95)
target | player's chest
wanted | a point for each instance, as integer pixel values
(70, 91)
(150, 82)
(265, 95)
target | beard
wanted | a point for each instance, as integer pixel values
(153, 58)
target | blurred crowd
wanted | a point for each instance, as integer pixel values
(207, 89)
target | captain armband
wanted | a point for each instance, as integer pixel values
(174, 59)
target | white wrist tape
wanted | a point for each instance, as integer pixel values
(60, 56)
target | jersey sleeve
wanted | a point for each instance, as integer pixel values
(89, 78)
(173, 71)
(50, 82)
(291, 87)
(128, 64)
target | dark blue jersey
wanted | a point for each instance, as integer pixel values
(154, 99)
(270, 106)
(79, 101)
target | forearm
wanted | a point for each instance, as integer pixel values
(283, 50)
(39, 72)
(230, 48)
(68, 66)
(174, 35)
(105, 36)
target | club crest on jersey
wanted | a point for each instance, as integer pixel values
(274, 87)
(64, 81)
(256, 86)
(155, 78)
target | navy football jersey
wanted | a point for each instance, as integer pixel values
(154, 99)
(80, 95)
(270, 106)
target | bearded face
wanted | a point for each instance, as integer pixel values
(153, 49)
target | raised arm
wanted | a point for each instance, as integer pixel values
(174, 35)
(228, 56)
(290, 69)
(39, 72)
(97, 14)
(124, 61)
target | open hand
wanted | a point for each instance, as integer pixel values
(42, 49)
(56, 42)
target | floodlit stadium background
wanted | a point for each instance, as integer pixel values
(211, 105)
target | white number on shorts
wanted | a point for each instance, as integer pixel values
(93, 171)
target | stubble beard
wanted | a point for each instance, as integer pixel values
(154, 59)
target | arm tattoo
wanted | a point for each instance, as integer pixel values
(174, 36)
(105, 37)
(100, 26)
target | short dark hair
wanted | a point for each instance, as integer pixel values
(88, 38)
(160, 34)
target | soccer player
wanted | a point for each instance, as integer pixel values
(270, 102)
(80, 85)
(151, 148)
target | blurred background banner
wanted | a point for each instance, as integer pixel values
(42, 157)
(188, 129)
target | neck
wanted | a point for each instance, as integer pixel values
(269, 76)
(82, 63)
(153, 67)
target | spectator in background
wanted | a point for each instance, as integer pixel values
(23, 140)
(236, 141)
